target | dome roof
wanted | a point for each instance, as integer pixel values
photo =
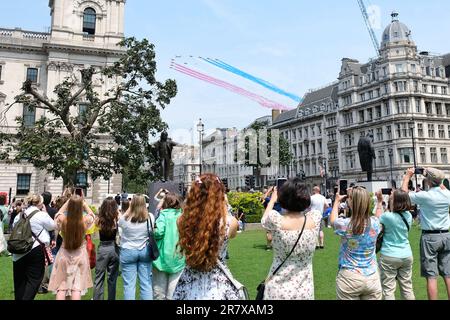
(395, 31)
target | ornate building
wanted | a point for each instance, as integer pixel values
(83, 34)
(401, 98)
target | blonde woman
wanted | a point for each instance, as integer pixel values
(358, 277)
(29, 268)
(135, 258)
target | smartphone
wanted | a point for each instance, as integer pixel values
(280, 183)
(419, 171)
(79, 191)
(386, 191)
(343, 185)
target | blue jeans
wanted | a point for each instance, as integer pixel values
(134, 263)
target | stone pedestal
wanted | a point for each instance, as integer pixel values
(374, 186)
(155, 187)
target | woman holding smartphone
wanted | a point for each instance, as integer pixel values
(396, 258)
(358, 277)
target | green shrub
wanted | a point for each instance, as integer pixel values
(249, 203)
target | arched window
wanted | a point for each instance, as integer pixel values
(89, 19)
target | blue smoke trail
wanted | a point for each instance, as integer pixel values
(229, 68)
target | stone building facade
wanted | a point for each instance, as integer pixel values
(402, 98)
(83, 33)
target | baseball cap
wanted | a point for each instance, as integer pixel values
(435, 175)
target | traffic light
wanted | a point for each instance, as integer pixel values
(247, 181)
(252, 182)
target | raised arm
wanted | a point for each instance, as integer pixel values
(335, 212)
(271, 203)
(379, 209)
(408, 175)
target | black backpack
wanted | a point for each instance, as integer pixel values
(22, 238)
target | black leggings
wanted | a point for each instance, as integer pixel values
(28, 273)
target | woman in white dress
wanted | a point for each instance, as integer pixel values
(294, 280)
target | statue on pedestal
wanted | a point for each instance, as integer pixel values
(163, 151)
(366, 155)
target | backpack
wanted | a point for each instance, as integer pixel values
(22, 238)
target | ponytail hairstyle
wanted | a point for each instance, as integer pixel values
(73, 226)
(202, 225)
(34, 200)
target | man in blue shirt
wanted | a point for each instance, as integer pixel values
(435, 224)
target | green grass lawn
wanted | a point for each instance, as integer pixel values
(250, 262)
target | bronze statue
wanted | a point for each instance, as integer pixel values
(163, 150)
(366, 155)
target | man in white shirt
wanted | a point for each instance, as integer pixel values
(319, 203)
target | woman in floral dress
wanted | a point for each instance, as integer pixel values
(294, 281)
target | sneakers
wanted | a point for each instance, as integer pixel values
(42, 290)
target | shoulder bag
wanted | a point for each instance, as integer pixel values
(243, 292)
(262, 286)
(154, 251)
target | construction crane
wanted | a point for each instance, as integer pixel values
(373, 36)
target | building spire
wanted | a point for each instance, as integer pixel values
(394, 16)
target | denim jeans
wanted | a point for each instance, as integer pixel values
(134, 263)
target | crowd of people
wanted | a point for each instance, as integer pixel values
(180, 252)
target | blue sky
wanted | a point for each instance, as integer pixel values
(295, 44)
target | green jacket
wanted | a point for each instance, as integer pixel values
(166, 236)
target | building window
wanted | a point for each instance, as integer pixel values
(348, 119)
(89, 21)
(441, 131)
(433, 155)
(444, 157)
(443, 90)
(387, 108)
(380, 134)
(32, 75)
(400, 86)
(448, 131)
(402, 106)
(389, 132)
(29, 116)
(413, 68)
(361, 116)
(425, 88)
(423, 155)
(381, 158)
(429, 108)
(418, 106)
(23, 184)
(434, 89)
(378, 112)
(369, 114)
(439, 109)
(406, 155)
(431, 132)
(447, 109)
(399, 68)
(1, 68)
(420, 130)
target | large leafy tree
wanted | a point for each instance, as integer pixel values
(284, 153)
(110, 133)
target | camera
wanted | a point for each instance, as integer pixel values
(386, 191)
(419, 170)
(280, 183)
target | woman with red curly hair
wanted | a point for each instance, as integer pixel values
(205, 227)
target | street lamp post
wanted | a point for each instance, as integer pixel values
(411, 126)
(391, 153)
(109, 164)
(200, 129)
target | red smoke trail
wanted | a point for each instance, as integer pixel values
(260, 99)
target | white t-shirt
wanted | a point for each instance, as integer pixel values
(41, 223)
(318, 203)
(134, 235)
